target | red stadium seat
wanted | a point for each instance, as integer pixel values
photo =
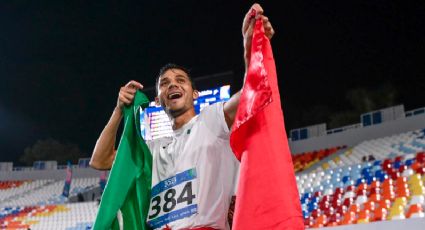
(380, 214)
(415, 211)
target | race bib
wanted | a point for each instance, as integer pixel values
(173, 199)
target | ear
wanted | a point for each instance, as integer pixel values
(157, 101)
(195, 94)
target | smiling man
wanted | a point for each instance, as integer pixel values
(176, 92)
(194, 170)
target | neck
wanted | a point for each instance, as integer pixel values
(182, 119)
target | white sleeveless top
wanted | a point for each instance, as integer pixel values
(193, 174)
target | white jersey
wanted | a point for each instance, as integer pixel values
(193, 174)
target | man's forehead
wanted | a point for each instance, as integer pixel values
(173, 73)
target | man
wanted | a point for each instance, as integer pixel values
(198, 155)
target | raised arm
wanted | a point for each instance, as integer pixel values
(104, 151)
(231, 106)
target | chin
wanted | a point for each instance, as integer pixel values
(175, 112)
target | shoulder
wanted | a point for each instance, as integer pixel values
(216, 108)
(213, 117)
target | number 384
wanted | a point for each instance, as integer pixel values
(170, 201)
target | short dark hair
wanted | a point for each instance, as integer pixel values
(169, 66)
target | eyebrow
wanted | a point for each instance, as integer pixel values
(177, 76)
(182, 76)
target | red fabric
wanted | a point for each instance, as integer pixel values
(267, 196)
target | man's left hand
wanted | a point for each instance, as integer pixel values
(248, 27)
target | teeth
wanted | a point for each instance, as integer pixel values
(172, 95)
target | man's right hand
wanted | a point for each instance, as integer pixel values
(127, 92)
(104, 151)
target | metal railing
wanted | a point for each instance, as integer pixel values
(344, 128)
(415, 112)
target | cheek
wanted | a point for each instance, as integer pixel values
(161, 98)
(162, 103)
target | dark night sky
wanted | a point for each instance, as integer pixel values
(62, 63)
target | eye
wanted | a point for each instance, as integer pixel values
(181, 80)
(162, 83)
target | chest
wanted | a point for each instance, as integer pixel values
(183, 151)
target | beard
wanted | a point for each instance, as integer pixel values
(173, 113)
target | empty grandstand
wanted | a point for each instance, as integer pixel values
(378, 178)
(37, 202)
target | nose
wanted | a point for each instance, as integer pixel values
(172, 85)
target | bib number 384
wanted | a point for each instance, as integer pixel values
(173, 199)
(168, 202)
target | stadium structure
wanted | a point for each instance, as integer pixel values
(364, 176)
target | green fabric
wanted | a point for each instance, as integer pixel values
(129, 183)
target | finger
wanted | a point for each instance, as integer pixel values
(128, 96)
(126, 89)
(269, 33)
(266, 23)
(246, 22)
(258, 9)
(134, 84)
(129, 90)
(124, 100)
(248, 16)
(267, 26)
(264, 19)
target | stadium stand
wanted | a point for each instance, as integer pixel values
(4, 185)
(76, 216)
(352, 188)
(303, 161)
(379, 176)
(39, 204)
(43, 192)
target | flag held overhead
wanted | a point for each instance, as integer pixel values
(267, 196)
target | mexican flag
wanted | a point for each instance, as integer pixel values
(129, 184)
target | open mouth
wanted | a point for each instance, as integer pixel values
(175, 95)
